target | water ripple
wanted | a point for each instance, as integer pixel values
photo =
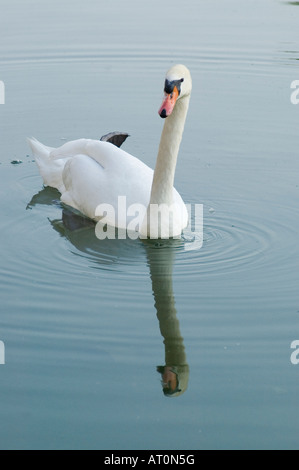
(203, 58)
(238, 237)
(234, 241)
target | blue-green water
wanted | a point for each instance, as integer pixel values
(86, 323)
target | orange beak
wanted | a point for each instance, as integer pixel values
(169, 103)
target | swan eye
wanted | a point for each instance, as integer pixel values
(170, 85)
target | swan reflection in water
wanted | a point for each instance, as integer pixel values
(175, 372)
(80, 231)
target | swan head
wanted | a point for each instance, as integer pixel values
(178, 85)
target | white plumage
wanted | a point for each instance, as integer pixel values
(89, 172)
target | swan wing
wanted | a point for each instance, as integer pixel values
(89, 173)
(89, 184)
(102, 152)
(115, 138)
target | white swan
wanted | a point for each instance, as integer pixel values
(89, 173)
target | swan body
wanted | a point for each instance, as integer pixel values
(90, 173)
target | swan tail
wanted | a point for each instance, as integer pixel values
(38, 149)
(50, 170)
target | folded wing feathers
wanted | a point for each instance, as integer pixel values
(115, 138)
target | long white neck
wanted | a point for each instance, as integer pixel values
(162, 187)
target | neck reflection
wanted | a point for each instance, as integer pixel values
(160, 258)
(175, 372)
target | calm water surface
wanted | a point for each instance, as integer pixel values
(88, 326)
